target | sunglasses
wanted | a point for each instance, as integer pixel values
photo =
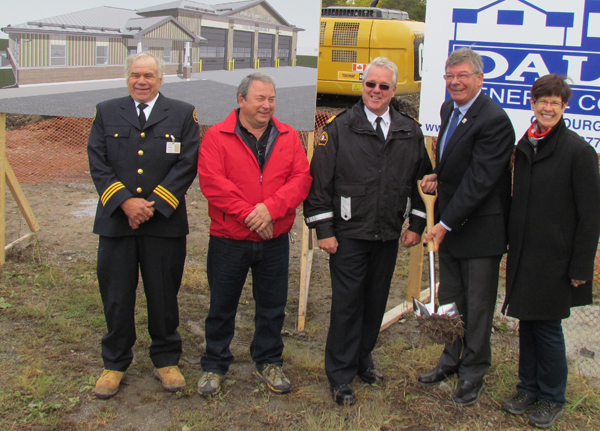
(382, 87)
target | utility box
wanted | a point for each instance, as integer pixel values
(351, 37)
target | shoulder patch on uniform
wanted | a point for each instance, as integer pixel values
(324, 138)
(411, 117)
(195, 115)
(95, 112)
(333, 117)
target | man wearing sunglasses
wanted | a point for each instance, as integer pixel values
(364, 169)
(473, 181)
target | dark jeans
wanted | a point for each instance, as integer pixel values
(160, 261)
(543, 366)
(473, 285)
(227, 266)
(361, 273)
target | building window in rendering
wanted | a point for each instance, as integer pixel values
(58, 55)
(102, 55)
(212, 52)
(168, 55)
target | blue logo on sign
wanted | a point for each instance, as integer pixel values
(520, 41)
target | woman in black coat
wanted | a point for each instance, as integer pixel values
(553, 235)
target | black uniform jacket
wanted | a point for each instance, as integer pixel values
(362, 187)
(474, 180)
(126, 162)
(554, 226)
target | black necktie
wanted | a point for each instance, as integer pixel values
(142, 116)
(451, 129)
(379, 129)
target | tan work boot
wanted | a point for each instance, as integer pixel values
(108, 384)
(170, 377)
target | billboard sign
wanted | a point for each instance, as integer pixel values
(519, 41)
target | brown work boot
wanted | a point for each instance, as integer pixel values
(108, 384)
(170, 377)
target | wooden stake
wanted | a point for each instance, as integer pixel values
(306, 256)
(7, 174)
(415, 272)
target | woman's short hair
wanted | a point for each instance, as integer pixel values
(551, 85)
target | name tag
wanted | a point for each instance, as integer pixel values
(173, 147)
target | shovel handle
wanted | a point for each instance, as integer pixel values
(429, 201)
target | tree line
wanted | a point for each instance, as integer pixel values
(415, 8)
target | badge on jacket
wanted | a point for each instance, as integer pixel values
(324, 138)
(173, 147)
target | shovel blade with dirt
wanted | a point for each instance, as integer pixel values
(429, 309)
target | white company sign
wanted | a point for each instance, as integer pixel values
(519, 41)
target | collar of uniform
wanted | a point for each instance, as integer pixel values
(148, 109)
(372, 117)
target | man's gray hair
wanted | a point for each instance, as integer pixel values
(384, 63)
(134, 57)
(463, 55)
(246, 83)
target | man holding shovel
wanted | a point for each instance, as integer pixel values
(473, 183)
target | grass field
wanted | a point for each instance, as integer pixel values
(51, 323)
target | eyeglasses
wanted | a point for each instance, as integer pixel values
(545, 103)
(461, 77)
(382, 87)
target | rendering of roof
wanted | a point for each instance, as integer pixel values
(112, 21)
(102, 20)
(179, 5)
(223, 9)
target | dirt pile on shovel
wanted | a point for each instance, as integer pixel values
(441, 329)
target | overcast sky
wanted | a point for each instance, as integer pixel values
(304, 14)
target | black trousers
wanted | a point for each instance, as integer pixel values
(160, 261)
(361, 273)
(473, 285)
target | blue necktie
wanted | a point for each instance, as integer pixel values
(451, 128)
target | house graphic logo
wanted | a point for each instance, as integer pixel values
(521, 40)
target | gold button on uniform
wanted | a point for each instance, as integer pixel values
(139, 190)
(141, 152)
(140, 171)
(143, 135)
(116, 135)
(167, 135)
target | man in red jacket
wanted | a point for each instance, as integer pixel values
(254, 173)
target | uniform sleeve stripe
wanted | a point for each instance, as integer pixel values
(110, 191)
(319, 217)
(419, 213)
(167, 196)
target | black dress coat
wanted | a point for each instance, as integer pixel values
(554, 226)
(126, 162)
(474, 180)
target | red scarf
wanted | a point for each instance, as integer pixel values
(534, 133)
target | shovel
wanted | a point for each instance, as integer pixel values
(429, 309)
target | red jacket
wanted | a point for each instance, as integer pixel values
(230, 179)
